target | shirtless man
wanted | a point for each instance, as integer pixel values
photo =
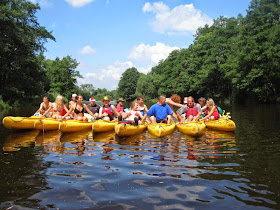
(44, 106)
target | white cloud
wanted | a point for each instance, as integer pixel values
(107, 77)
(181, 19)
(87, 50)
(151, 55)
(78, 3)
(144, 58)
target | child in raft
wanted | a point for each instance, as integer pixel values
(202, 102)
(132, 116)
(211, 111)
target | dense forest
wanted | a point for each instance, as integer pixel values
(234, 59)
(26, 75)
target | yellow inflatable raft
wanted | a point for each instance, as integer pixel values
(123, 129)
(161, 129)
(221, 125)
(47, 124)
(74, 126)
(103, 126)
(191, 128)
(20, 122)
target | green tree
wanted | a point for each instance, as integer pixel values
(258, 52)
(128, 83)
(87, 91)
(148, 85)
(21, 40)
(62, 75)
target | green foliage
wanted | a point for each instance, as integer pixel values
(234, 59)
(128, 83)
(3, 105)
(21, 40)
(62, 75)
(88, 91)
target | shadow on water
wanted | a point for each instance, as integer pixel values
(89, 170)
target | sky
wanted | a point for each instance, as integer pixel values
(107, 37)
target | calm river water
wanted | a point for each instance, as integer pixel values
(85, 170)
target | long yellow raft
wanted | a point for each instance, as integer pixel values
(46, 124)
(221, 125)
(123, 129)
(191, 128)
(161, 129)
(103, 126)
(74, 126)
(20, 122)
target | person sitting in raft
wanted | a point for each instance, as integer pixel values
(141, 106)
(73, 100)
(44, 106)
(192, 111)
(94, 108)
(131, 116)
(107, 112)
(72, 103)
(202, 102)
(79, 109)
(57, 107)
(160, 112)
(120, 108)
(212, 111)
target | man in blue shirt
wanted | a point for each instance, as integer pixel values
(160, 112)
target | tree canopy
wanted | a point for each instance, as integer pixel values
(21, 41)
(128, 83)
(235, 58)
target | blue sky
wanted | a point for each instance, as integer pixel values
(109, 36)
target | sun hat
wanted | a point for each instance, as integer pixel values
(120, 99)
(105, 99)
(74, 95)
(92, 99)
(185, 100)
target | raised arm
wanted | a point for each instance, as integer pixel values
(169, 101)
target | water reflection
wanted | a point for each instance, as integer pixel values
(16, 140)
(175, 171)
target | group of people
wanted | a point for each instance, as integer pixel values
(161, 112)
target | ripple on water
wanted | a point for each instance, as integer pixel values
(173, 172)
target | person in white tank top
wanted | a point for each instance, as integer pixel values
(133, 114)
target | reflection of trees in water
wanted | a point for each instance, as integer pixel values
(258, 149)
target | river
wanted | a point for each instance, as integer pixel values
(83, 170)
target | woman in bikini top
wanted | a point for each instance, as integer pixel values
(57, 107)
(78, 114)
(78, 111)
